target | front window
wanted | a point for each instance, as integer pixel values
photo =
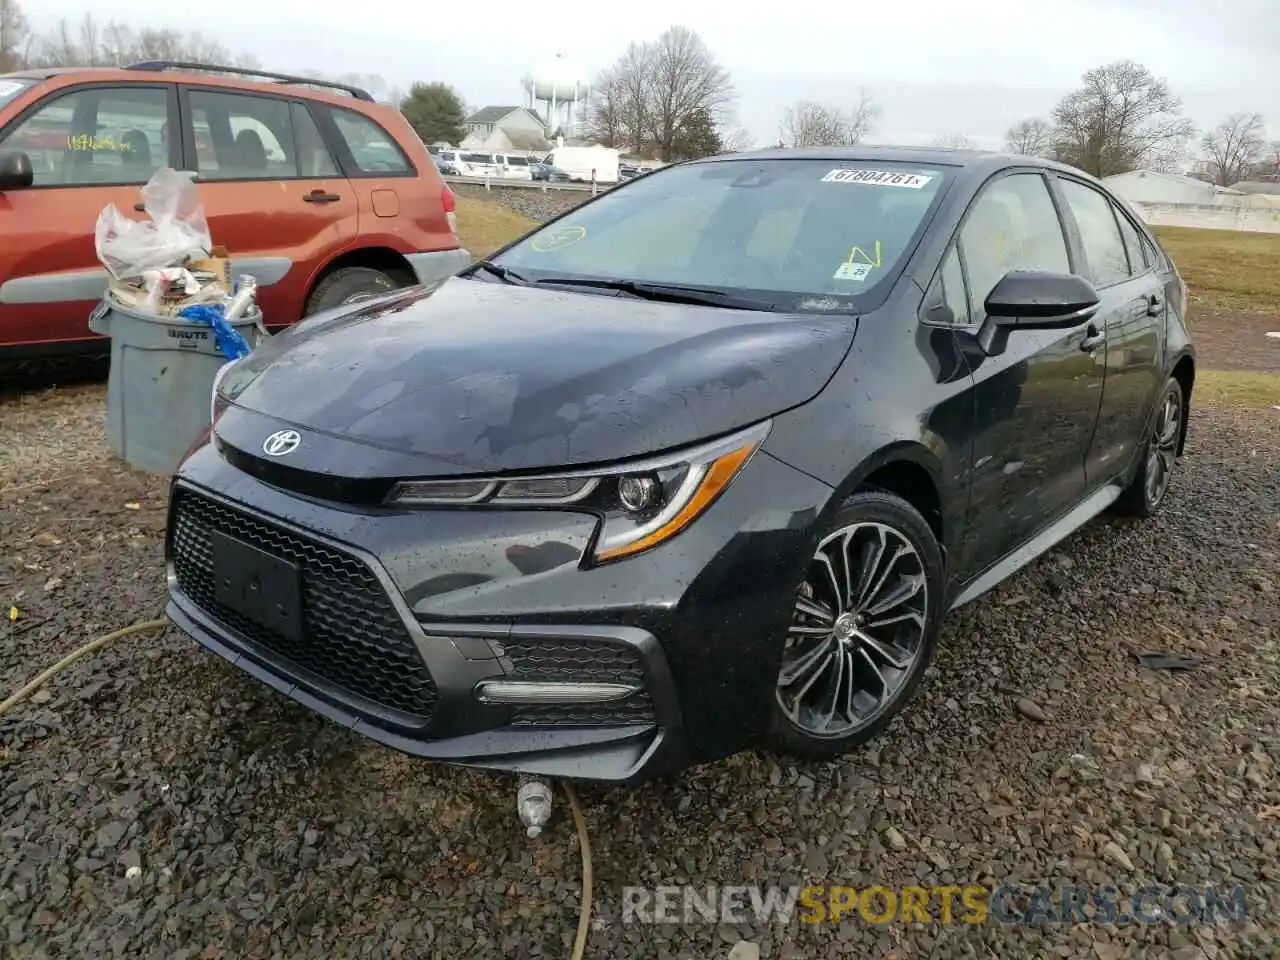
(799, 234)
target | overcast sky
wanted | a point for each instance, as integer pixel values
(937, 67)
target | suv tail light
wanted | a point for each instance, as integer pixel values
(450, 208)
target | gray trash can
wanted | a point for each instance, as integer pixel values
(158, 390)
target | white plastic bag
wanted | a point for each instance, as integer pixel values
(176, 232)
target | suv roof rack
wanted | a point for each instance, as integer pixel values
(158, 65)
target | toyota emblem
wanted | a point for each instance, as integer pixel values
(281, 442)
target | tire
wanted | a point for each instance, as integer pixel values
(350, 285)
(1150, 486)
(902, 645)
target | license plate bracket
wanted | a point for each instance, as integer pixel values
(260, 586)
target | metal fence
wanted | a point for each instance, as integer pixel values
(492, 183)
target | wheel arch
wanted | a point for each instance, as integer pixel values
(374, 258)
(1184, 371)
(909, 470)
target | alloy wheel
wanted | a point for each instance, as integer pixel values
(857, 630)
(1163, 448)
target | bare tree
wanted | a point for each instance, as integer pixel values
(1122, 118)
(953, 141)
(1233, 147)
(607, 112)
(811, 124)
(736, 139)
(14, 36)
(91, 43)
(1032, 137)
(689, 87)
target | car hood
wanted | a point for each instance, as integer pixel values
(471, 376)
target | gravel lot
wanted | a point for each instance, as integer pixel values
(156, 803)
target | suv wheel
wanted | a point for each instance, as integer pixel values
(1150, 484)
(350, 285)
(863, 630)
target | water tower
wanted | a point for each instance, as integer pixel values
(556, 90)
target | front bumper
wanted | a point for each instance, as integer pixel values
(408, 614)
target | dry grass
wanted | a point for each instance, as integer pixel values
(1236, 388)
(1232, 270)
(486, 226)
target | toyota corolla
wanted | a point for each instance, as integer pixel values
(700, 465)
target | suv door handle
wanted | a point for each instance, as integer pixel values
(140, 207)
(319, 196)
(1155, 304)
(1093, 338)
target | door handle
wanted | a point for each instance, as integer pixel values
(1155, 304)
(319, 196)
(140, 207)
(1093, 338)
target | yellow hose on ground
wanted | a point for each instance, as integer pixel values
(43, 678)
(584, 911)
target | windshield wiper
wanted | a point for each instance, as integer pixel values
(665, 292)
(505, 274)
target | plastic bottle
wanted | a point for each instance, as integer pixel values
(533, 803)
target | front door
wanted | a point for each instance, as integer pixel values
(90, 146)
(1036, 399)
(1132, 319)
(272, 191)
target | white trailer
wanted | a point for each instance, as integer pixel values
(580, 162)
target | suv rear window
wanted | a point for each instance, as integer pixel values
(517, 161)
(799, 232)
(477, 158)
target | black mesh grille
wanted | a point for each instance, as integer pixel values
(353, 637)
(582, 661)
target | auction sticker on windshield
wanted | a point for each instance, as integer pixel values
(879, 178)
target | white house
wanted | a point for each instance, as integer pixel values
(1150, 186)
(505, 130)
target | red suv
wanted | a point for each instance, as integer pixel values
(322, 194)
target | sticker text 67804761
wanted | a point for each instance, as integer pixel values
(879, 178)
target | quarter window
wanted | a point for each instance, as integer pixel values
(1100, 236)
(97, 135)
(1133, 246)
(1012, 226)
(372, 148)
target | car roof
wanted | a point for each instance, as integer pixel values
(975, 163)
(161, 71)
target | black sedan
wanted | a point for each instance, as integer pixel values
(700, 465)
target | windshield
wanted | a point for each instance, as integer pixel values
(794, 232)
(10, 87)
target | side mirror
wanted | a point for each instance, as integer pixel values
(1038, 300)
(16, 172)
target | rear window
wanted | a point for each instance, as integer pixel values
(517, 161)
(477, 158)
(804, 234)
(11, 87)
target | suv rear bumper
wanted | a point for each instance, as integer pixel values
(436, 265)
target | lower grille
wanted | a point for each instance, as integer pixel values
(579, 661)
(353, 638)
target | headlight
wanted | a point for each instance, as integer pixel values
(232, 379)
(643, 503)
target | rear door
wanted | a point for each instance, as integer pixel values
(400, 197)
(90, 145)
(1035, 400)
(273, 192)
(1131, 318)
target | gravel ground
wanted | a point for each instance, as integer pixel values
(531, 203)
(154, 802)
